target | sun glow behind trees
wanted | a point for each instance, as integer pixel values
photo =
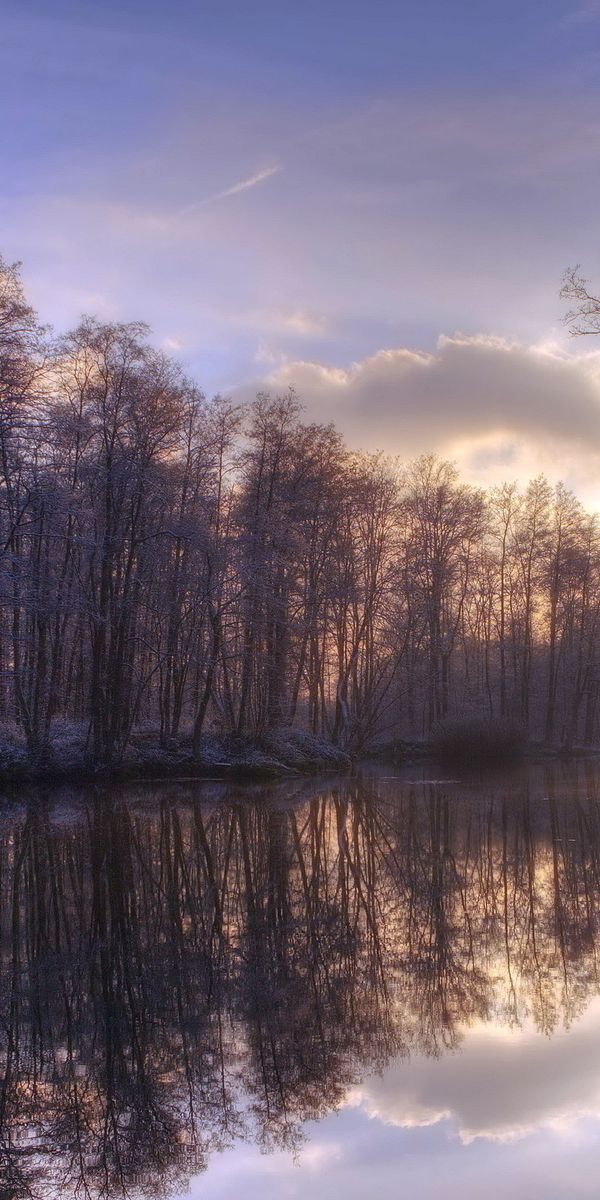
(184, 564)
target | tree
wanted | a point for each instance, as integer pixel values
(173, 566)
(584, 317)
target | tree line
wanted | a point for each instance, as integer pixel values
(186, 565)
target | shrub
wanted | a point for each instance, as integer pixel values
(478, 740)
(68, 741)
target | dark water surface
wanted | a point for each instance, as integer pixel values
(371, 986)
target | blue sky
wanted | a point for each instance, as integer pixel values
(285, 190)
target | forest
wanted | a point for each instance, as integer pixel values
(182, 567)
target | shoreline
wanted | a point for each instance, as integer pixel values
(279, 755)
(275, 757)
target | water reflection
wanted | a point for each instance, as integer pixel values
(184, 967)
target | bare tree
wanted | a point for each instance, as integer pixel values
(584, 316)
(173, 567)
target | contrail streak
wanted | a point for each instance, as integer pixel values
(242, 186)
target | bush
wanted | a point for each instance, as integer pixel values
(68, 744)
(478, 740)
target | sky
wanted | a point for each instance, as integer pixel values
(371, 202)
(513, 1113)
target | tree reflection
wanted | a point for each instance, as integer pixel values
(186, 968)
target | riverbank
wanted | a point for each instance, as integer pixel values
(276, 755)
(412, 752)
(280, 754)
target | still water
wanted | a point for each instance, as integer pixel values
(383, 985)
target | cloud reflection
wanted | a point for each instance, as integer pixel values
(505, 1083)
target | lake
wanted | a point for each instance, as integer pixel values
(382, 984)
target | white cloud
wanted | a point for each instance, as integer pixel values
(502, 1085)
(301, 322)
(242, 186)
(279, 321)
(319, 1155)
(499, 408)
(265, 355)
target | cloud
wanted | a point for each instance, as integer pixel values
(584, 13)
(503, 1084)
(243, 186)
(525, 1109)
(279, 321)
(499, 408)
(398, 214)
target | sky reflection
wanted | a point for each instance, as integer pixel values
(323, 987)
(513, 1113)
